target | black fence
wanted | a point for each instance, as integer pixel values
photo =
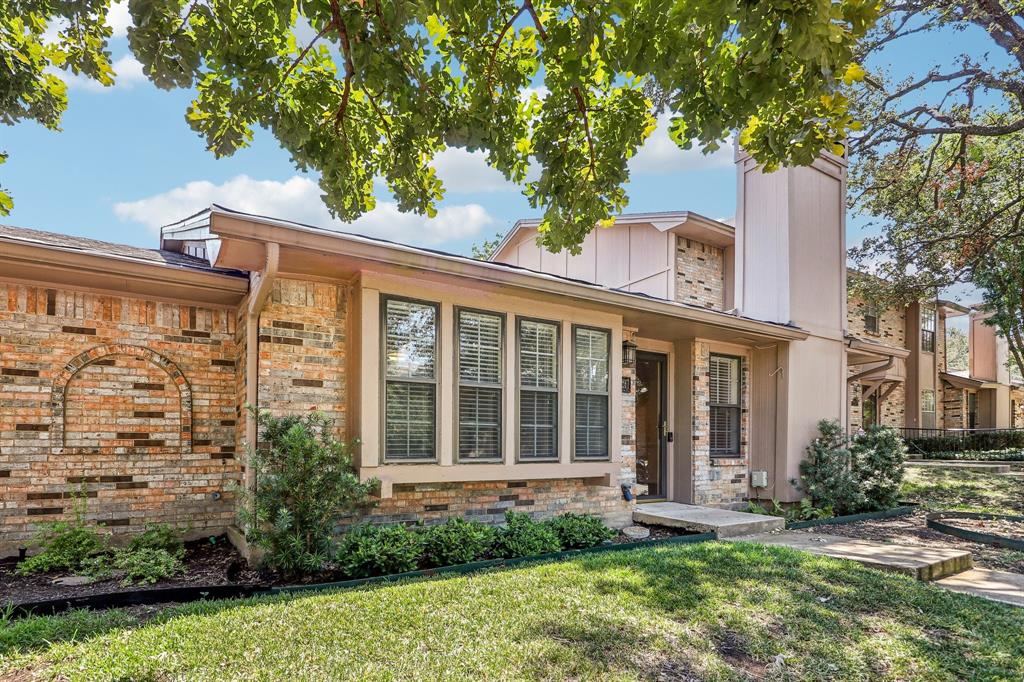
(925, 441)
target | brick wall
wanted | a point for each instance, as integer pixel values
(891, 325)
(1017, 401)
(131, 401)
(700, 274)
(954, 407)
(718, 480)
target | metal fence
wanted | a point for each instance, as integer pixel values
(924, 440)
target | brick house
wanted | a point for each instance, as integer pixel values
(676, 357)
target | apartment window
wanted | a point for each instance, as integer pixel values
(724, 398)
(927, 408)
(871, 317)
(480, 358)
(928, 329)
(590, 356)
(538, 390)
(410, 380)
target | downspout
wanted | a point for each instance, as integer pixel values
(877, 368)
(264, 283)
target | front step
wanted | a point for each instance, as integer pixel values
(923, 563)
(724, 523)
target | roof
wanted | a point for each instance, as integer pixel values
(85, 245)
(198, 227)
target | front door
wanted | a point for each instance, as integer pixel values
(651, 423)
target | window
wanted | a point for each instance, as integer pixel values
(590, 357)
(724, 398)
(538, 390)
(479, 353)
(871, 316)
(928, 329)
(410, 380)
(927, 408)
(870, 412)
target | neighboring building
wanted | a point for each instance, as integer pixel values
(473, 387)
(988, 395)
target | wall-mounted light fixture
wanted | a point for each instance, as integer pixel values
(628, 354)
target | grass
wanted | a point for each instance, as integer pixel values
(938, 489)
(712, 611)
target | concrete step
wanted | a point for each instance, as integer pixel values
(963, 465)
(723, 523)
(1001, 586)
(924, 563)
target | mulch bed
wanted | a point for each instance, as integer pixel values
(1003, 527)
(657, 533)
(911, 530)
(211, 561)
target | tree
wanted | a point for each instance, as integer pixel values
(363, 89)
(926, 164)
(1001, 280)
(485, 249)
(957, 353)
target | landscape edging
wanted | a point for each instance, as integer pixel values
(904, 509)
(933, 521)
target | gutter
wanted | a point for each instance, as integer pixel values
(877, 368)
(260, 292)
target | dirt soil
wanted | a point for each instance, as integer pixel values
(912, 530)
(211, 561)
(657, 533)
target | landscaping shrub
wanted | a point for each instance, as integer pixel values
(878, 456)
(522, 536)
(456, 541)
(159, 536)
(804, 510)
(826, 474)
(366, 551)
(978, 441)
(147, 565)
(576, 531)
(66, 545)
(1008, 455)
(305, 481)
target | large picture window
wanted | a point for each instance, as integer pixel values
(590, 355)
(479, 353)
(410, 380)
(928, 329)
(724, 399)
(538, 390)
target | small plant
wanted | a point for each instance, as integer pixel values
(366, 551)
(522, 536)
(305, 481)
(147, 565)
(576, 531)
(878, 456)
(66, 545)
(159, 536)
(456, 541)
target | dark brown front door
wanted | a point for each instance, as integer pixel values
(651, 422)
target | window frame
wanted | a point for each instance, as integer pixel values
(383, 372)
(930, 334)
(458, 383)
(872, 312)
(934, 412)
(607, 394)
(738, 453)
(557, 324)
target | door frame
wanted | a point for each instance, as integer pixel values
(666, 351)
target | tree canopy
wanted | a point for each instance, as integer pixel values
(359, 90)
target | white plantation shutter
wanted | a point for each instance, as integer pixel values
(724, 404)
(410, 391)
(591, 354)
(538, 390)
(480, 385)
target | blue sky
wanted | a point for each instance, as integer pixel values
(126, 162)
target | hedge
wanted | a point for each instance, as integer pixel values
(978, 441)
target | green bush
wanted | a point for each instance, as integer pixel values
(66, 545)
(456, 541)
(878, 456)
(1007, 455)
(147, 565)
(522, 536)
(576, 531)
(978, 441)
(305, 482)
(159, 536)
(804, 510)
(366, 551)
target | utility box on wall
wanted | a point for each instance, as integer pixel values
(759, 479)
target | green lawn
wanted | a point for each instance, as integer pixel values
(696, 612)
(939, 489)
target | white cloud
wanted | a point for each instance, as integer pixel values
(128, 72)
(298, 199)
(464, 171)
(661, 155)
(119, 19)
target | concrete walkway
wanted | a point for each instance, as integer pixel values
(963, 465)
(724, 523)
(924, 563)
(1000, 586)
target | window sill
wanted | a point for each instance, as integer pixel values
(598, 473)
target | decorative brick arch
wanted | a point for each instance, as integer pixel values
(58, 394)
